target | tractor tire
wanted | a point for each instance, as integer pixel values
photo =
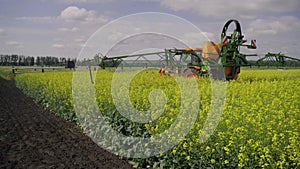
(191, 73)
(232, 72)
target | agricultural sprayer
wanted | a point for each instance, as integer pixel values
(196, 62)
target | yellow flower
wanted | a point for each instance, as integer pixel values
(212, 161)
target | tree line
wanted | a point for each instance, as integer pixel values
(21, 60)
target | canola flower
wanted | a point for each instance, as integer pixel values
(259, 127)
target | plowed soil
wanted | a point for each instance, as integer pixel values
(31, 137)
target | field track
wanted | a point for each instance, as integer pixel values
(31, 137)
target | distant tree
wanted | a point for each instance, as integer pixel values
(38, 61)
(43, 61)
(2, 60)
(97, 59)
(55, 61)
(6, 60)
(63, 61)
(21, 60)
(32, 61)
(26, 60)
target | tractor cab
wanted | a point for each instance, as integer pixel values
(189, 62)
(191, 58)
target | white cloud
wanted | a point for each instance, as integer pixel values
(73, 13)
(14, 43)
(74, 29)
(80, 40)
(57, 45)
(247, 9)
(69, 14)
(2, 32)
(47, 19)
(283, 24)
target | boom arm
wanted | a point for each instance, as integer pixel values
(275, 59)
(116, 60)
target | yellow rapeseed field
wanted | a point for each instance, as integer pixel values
(259, 127)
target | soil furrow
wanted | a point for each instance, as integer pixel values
(31, 137)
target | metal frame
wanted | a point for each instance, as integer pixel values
(274, 59)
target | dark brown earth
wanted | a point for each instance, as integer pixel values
(31, 137)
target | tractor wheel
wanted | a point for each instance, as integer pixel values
(191, 73)
(237, 71)
(232, 72)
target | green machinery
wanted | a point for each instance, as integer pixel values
(172, 61)
(278, 60)
(196, 61)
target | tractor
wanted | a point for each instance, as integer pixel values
(197, 62)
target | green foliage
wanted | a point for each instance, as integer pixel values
(52, 90)
(6, 72)
(259, 127)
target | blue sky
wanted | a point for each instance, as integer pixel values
(61, 27)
